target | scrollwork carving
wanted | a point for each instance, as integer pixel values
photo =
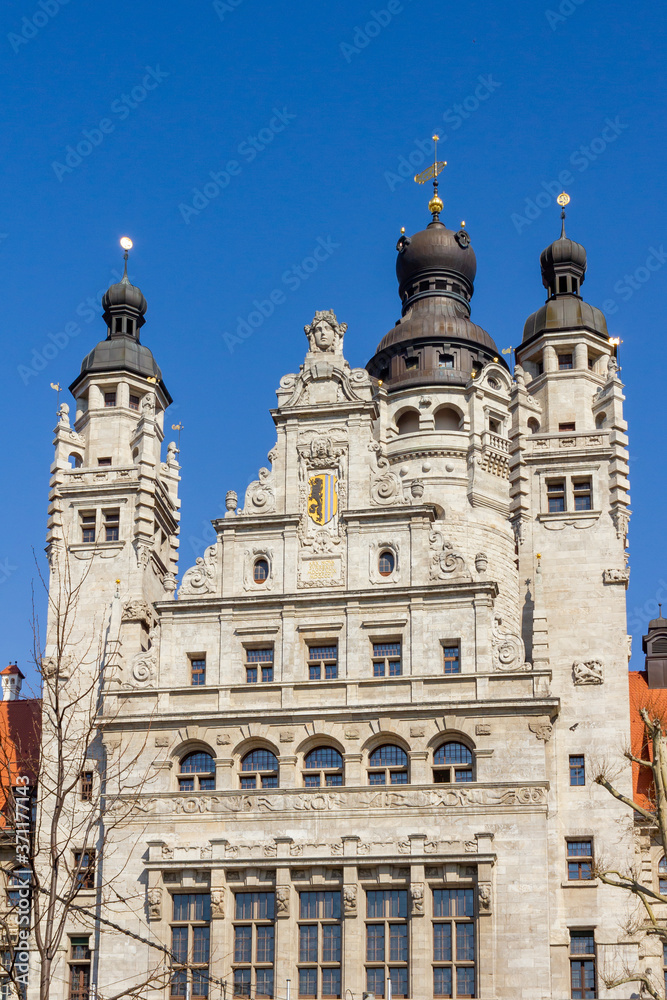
(200, 579)
(446, 562)
(260, 497)
(386, 487)
(509, 651)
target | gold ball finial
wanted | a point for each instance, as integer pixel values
(435, 205)
(563, 199)
(402, 229)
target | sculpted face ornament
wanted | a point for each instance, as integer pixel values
(325, 333)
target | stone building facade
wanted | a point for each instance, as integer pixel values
(368, 716)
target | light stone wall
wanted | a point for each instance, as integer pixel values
(463, 512)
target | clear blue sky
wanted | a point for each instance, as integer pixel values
(314, 105)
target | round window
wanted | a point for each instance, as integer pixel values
(386, 563)
(261, 571)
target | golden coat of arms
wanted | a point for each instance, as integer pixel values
(322, 497)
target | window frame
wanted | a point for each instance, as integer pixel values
(88, 523)
(86, 779)
(387, 770)
(447, 772)
(259, 670)
(110, 399)
(320, 964)
(580, 862)
(577, 770)
(254, 923)
(323, 772)
(79, 964)
(84, 870)
(459, 897)
(564, 366)
(111, 518)
(263, 777)
(188, 972)
(384, 662)
(197, 777)
(197, 669)
(578, 961)
(386, 964)
(451, 645)
(327, 665)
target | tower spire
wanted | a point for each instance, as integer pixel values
(127, 245)
(563, 199)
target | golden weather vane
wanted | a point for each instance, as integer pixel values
(435, 204)
(178, 427)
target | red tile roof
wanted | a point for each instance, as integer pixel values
(20, 724)
(655, 700)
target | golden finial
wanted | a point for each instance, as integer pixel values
(563, 199)
(435, 205)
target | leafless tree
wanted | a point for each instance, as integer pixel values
(86, 781)
(653, 765)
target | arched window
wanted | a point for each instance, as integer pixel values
(600, 420)
(452, 762)
(446, 419)
(388, 765)
(14, 882)
(386, 563)
(408, 423)
(260, 770)
(662, 875)
(260, 571)
(197, 772)
(533, 425)
(323, 767)
(75, 461)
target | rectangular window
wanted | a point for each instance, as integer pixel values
(387, 659)
(320, 944)
(387, 941)
(556, 496)
(190, 943)
(445, 361)
(568, 427)
(254, 944)
(323, 662)
(452, 658)
(134, 402)
(109, 398)
(88, 527)
(259, 665)
(198, 671)
(79, 969)
(579, 860)
(582, 965)
(565, 362)
(583, 494)
(454, 946)
(104, 462)
(111, 525)
(84, 869)
(86, 786)
(577, 769)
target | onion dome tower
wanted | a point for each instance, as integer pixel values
(563, 266)
(124, 311)
(434, 341)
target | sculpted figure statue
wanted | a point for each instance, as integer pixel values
(325, 334)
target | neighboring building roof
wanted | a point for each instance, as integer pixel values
(12, 669)
(20, 730)
(655, 699)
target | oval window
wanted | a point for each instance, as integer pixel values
(261, 571)
(386, 563)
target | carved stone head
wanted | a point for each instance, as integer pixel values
(325, 333)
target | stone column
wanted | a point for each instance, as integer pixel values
(550, 360)
(420, 985)
(581, 356)
(485, 923)
(354, 908)
(286, 936)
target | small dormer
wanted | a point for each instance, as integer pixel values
(654, 644)
(12, 679)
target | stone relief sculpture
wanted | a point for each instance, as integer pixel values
(260, 497)
(350, 900)
(137, 611)
(217, 903)
(509, 652)
(616, 575)
(484, 896)
(446, 563)
(542, 730)
(325, 334)
(282, 900)
(143, 669)
(155, 903)
(588, 672)
(200, 579)
(386, 487)
(417, 894)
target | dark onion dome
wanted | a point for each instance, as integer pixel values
(563, 266)
(124, 308)
(434, 341)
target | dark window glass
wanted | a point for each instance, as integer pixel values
(198, 672)
(86, 786)
(556, 496)
(109, 398)
(260, 571)
(452, 660)
(386, 563)
(134, 402)
(564, 362)
(577, 769)
(579, 860)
